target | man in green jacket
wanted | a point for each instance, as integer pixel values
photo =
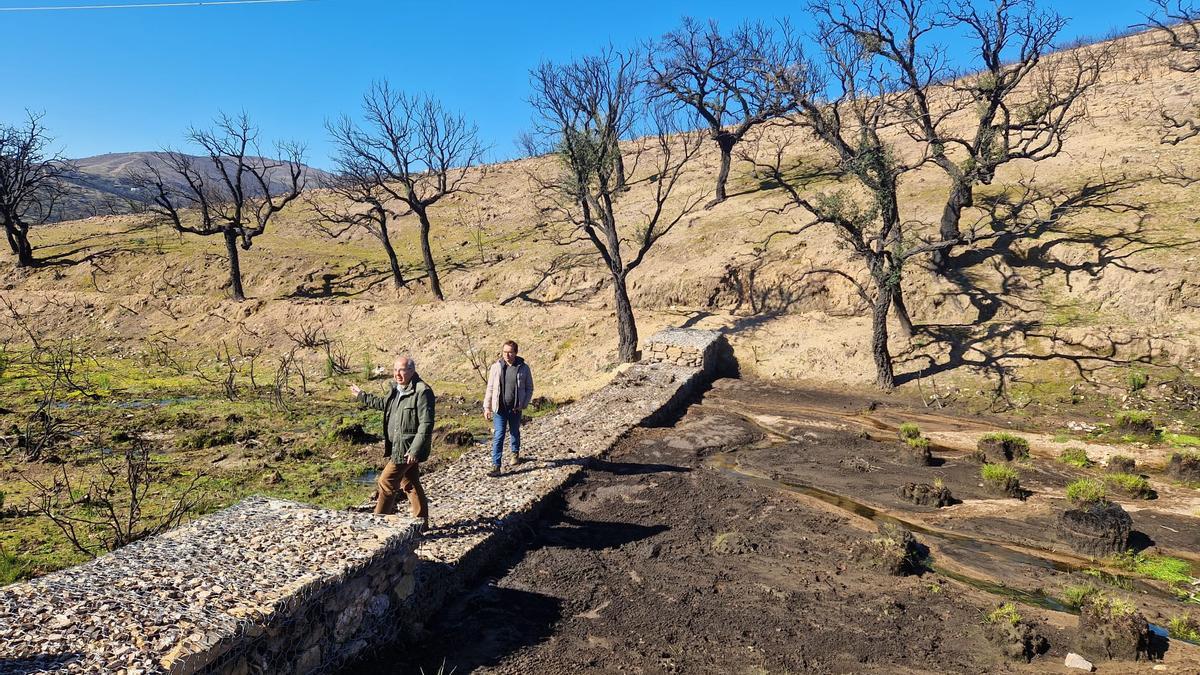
(407, 436)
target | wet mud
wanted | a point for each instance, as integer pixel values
(746, 539)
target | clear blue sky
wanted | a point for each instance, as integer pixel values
(114, 80)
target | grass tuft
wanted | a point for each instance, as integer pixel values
(1001, 478)
(1075, 457)
(1076, 594)
(1004, 614)
(910, 430)
(1136, 420)
(1086, 491)
(1184, 627)
(1131, 484)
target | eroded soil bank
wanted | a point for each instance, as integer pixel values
(691, 550)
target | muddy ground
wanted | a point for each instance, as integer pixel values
(698, 548)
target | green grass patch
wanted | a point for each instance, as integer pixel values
(1086, 491)
(1139, 421)
(1130, 484)
(919, 443)
(1184, 627)
(1182, 440)
(1005, 437)
(1004, 614)
(910, 430)
(1136, 380)
(1001, 478)
(1075, 457)
(1163, 568)
(1076, 594)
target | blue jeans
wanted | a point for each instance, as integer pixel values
(500, 421)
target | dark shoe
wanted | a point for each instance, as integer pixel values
(517, 459)
(494, 473)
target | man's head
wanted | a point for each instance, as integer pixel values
(404, 369)
(509, 352)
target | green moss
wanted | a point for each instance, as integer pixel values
(910, 430)
(1075, 457)
(1086, 491)
(1004, 614)
(1130, 484)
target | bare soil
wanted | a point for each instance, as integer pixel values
(696, 548)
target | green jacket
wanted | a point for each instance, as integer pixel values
(407, 420)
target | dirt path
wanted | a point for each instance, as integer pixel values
(661, 561)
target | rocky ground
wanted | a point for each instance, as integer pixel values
(669, 557)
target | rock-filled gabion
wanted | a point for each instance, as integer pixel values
(213, 593)
(683, 347)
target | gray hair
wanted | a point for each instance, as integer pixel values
(412, 363)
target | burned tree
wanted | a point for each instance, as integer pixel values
(1177, 25)
(31, 183)
(411, 150)
(846, 103)
(232, 191)
(357, 202)
(1021, 104)
(578, 107)
(722, 79)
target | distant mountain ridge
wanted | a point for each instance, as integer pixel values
(102, 186)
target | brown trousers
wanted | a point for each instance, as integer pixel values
(397, 478)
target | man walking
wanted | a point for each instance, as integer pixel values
(509, 390)
(407, 437)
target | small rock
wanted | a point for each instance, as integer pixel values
(1076, 661)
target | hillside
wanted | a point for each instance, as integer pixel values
(101, 185)
(1069, 302)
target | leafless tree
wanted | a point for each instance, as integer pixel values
(358, 203)
(846, 101)
(1177, 24)
(722, 79)
(408, 149)
(578, 109)
(117, 505)
(237, 205)
(1021, 104)
(31, 183)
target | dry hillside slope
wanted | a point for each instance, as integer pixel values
(1108, 285)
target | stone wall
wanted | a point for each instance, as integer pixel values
(266, 586)
(275, 587)
(689, 348)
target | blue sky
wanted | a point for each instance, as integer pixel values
(114, 80)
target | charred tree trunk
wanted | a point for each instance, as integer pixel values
(397, 276)
(435, 285)
(619, 168)
(18, 241)
(961, 197)
(235, 267)
(901, 310)
(626, 327)
(884, 377)
(725, 142)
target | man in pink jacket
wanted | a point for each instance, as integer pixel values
(509, 391)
